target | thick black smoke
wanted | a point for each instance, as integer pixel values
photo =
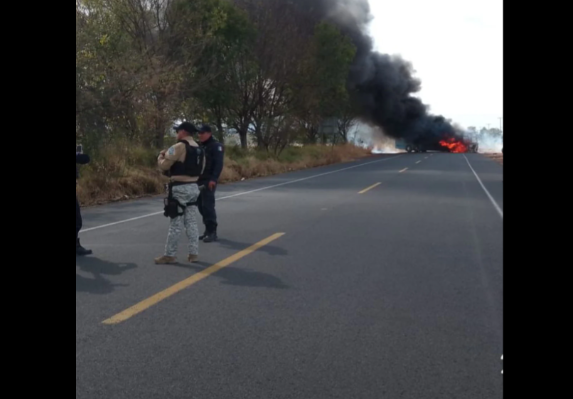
(382, 85)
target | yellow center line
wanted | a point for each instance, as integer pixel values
(155, 299)
(403, 170)
(369, 188)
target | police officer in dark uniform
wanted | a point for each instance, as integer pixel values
(215, 154)
(81, 159)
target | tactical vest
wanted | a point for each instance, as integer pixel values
(194, 162)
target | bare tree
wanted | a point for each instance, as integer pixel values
(265, 84)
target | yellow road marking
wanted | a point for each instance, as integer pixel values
(403, 170)
(155, 299)
(369, 188)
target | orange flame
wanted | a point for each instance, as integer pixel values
(454, 146)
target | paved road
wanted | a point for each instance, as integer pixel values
(396, 292)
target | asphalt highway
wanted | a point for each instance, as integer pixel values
(377, 279)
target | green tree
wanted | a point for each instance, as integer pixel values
(222, 58)
(321, 88)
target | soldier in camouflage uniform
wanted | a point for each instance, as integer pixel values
(183, 163)
(184, 194)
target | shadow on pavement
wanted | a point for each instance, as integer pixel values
(99, 268)
(249, 278)
(240, 246)
(240, 277)
(96, 285)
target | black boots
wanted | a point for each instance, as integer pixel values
(81, 251)
(210, 237)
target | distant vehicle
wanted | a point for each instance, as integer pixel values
(402, 144)
(473, 147)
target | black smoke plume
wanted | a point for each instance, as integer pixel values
(382, 85)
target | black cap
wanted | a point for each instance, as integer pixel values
(187, 126)
(205, 129)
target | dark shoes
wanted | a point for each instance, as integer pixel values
(81, 251)
(210, 237)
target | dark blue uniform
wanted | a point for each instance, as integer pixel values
(81, 159)
(215, 154)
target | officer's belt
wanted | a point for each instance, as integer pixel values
(181, 183)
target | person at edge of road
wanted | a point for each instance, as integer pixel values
(183, 183)
(81, 159)
(215, 158)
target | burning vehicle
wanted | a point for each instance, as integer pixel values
(460, 146)
(452, 145)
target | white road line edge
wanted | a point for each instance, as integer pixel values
(495, 205)
(242, 193)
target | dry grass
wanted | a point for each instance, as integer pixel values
(247, 165)
(121, 172)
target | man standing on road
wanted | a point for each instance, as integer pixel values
(184, 163)
(81, 159)
(210, 178)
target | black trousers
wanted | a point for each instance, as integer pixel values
(78, 218)
(206, 205)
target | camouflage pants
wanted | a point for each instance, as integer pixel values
(184, 194)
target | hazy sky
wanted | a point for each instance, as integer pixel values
(456, 47)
